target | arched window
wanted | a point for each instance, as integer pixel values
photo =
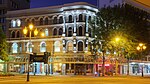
(33, 21)
(46, 32)
(13, 23)
(69, 32)
(42, 47)
(61, 20)
(60, 31)
(70, 18)
(18, 34)
(80, 46)
(70, 46)
(18, 23)
(41, 21)
(14, 48)
(55, 32)
(55, 20)
(46, 21)
(13, 34)
(80, 18)
(80, 32)
(29, 47)
(57, 46)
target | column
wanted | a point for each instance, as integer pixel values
(75, 24)
(87, 17)
(64, 26)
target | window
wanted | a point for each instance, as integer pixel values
(70, 18)
(41, 21)
(29, 47)
(55, 20)
(13, 23)
(43, 47)
(69, 32)
(46, 32)
(46, 21)
(18, 23)
(55, 32)
(61, 20)
(80, 32)
(18, 34)
(57, 46)
(14, 48)
(80, 46)
(33, 21)
(13, 34)
(60, 31)
(70, 46)
(80, 18)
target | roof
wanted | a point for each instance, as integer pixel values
(51, 9)
(141, 4)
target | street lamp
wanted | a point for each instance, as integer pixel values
(25, 31)
(140, 48)
(117, 40)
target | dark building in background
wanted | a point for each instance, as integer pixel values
(8, 5)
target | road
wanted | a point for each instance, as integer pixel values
(74, 80)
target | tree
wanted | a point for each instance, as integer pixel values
(123, 21)
(3, 46)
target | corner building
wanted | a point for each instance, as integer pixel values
(67, 36)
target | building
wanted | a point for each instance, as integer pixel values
(8, 5)
(67, 37)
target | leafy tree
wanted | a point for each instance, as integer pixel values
(3, 46)
(123, 21)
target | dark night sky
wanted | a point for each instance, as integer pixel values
(44, 3)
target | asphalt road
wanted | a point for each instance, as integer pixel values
(74, 80)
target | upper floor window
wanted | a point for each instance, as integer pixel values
(46, 21)
(29, 47)
(70, 46)
(80, 46)
(14, 48)
(41, 21)
(61, 20)
(60, 31)
(70, 18)
(55, 20)
(70, 32)
(13, 23)
(18, 34)
(80, 18)
(57, 46)
(13, 34)
(55, 31)
(46, 32)
(18, 23)
(43, 47)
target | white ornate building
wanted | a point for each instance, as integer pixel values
(67, 36)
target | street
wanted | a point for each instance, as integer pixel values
(74, 80)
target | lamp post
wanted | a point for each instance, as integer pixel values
(117, 40)
(140, 48)
(25, 31)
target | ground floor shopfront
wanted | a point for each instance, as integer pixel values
(75, 65)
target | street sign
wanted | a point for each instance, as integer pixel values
(39, 58)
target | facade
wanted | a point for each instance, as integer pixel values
(67, 37)
(8, 5)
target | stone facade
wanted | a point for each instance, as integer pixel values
(67, 35)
